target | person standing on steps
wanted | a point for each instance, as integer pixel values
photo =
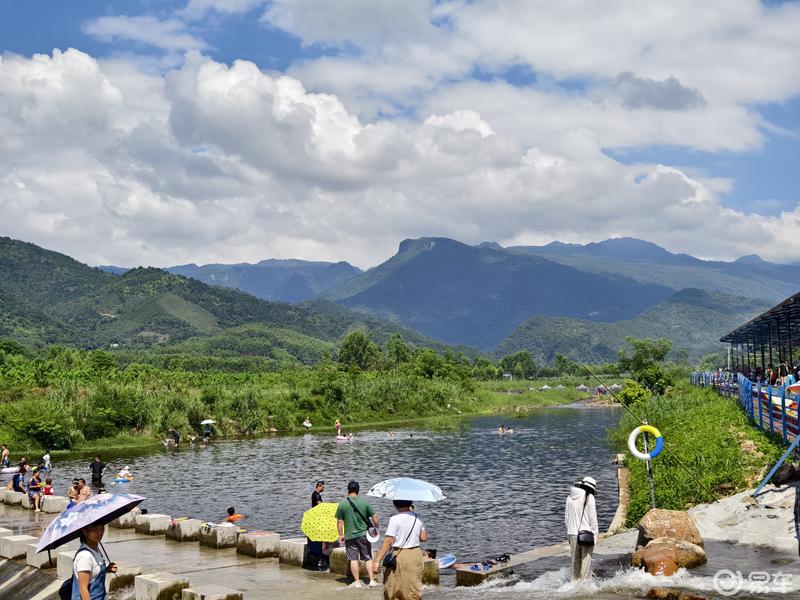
(5, 457)
(316, 549)
(354, 517)
(403, 536)
(580, 517)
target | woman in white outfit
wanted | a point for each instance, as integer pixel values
(581, 515)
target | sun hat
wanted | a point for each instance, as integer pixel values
(589, 484)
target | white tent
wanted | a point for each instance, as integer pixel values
(559, 387)
(545, 387)
(582, 388)
(615, 387)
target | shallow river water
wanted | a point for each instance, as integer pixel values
(505, 493)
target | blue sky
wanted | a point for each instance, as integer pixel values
(714, 95)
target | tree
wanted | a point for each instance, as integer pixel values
(520, 364)
(397, 351)
(358, 350)
(645, 363)
(563, 364)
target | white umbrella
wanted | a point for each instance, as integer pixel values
(207, 422)
(406, 488)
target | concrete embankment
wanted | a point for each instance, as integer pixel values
(159, 557)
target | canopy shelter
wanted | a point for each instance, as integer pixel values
(771, 338)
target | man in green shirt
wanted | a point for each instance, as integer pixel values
(354, 517)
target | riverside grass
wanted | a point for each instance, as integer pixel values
(705, 431)
(82, 401)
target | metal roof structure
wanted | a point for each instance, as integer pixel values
(777, 329)
(780, 325)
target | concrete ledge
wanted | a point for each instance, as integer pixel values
(5, 532)
(126, 521)
(126, 573)
(15, 498)
(430, 571)
(40, 560)
(54, 504)
(64, 564)
(261, 544)
(218, 536)
(184, 530)
(152, 524)
(16, 546)
(341, 566)
(211, 592)
(293, 551)
(159, 586)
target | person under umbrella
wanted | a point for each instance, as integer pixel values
(89, 567)
(405, 531)
(87, 521)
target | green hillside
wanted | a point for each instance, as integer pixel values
(47, 297)
(694, 319)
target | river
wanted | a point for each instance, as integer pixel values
(505, 493)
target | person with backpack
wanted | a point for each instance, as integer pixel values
(89, 568)
(354, 518)
(580, 517)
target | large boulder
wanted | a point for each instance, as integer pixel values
(661, 523)
(664, 556)
(785, 474)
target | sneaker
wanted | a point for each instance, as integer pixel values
(373, 584)
(357, 584)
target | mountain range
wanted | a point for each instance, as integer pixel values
(574, 299)
(279, 280)
(47, 297)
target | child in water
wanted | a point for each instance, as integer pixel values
(233, 516)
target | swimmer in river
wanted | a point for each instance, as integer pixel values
(233, 516)
(307, 423)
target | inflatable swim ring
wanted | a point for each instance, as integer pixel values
(636, 433)
(123, 479)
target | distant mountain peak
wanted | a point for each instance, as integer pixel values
(425, 243)
(751, 259)
(490, 245)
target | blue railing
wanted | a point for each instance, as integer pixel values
(771, 408)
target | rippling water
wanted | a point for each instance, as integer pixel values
(505, 493)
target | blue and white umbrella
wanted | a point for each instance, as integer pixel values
(99, 509)
(406, 488)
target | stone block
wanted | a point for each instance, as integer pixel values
(126, 521)
(159, 586)
(15, 498)
(341, 566)
(40, 560)
(218, 536)
(3, 494)
(184, 530)
(64, 564)
(430, 571)
(16, 546)
(261, 544)
(293, 551)
(5, 532)
(126, 573)
(152, 524)
(54, 504)
(211, 592)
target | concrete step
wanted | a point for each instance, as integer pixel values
(211, 592)
(261, 544)
(159, 586)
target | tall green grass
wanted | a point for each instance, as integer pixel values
(702, 430)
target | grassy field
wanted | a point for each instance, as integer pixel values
(710, 435)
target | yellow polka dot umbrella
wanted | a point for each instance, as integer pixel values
(319, 523)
